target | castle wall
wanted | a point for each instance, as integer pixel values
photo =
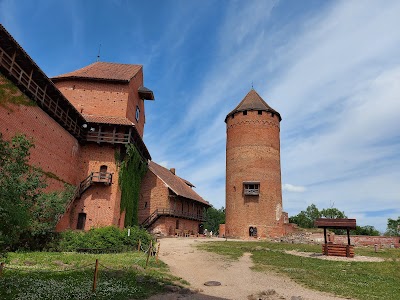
(56, 151)
(253, 154)
(167, 226)
(100, 202)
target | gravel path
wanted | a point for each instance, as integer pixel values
(237, 280)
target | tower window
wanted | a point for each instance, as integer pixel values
(245, 113)
(137, 115)
(260, 112)
(251, 188)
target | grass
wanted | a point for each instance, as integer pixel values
(52, 275)
(358, 280)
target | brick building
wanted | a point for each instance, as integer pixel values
(80, 123)
(168, 204)
(253, 172)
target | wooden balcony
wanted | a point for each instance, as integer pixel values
(172, 213)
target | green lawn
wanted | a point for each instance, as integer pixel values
(359, 280)
(52, 275)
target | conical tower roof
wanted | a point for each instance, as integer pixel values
(253, 101)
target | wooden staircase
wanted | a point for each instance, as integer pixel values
(93, 178)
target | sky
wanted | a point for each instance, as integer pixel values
(330, 68)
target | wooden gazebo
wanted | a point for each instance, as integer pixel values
(330, 248)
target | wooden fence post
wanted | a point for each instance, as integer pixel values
(158, 251)
(95, 276)
(149, 252)
(1, 269)
(138, 247)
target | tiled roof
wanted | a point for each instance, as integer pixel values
(107, 120)
(175, 183)
(104, 71)
(253, 101)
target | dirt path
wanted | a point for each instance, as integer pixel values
(237, 280)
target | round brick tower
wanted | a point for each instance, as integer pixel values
(253, 170)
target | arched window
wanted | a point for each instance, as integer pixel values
(103, 171)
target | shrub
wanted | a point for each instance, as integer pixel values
(109, 239)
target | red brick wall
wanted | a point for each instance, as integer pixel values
(364, 240)
(155, 193)
(55, 151)
(166, 226)
(253, 154)
(100, 202)
(106, 98)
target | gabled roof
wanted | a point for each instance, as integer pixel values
(103, 71)
(253, 101)
(175, 183)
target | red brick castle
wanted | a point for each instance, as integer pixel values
(81, 124)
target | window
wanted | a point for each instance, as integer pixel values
(251, 188)
(103, 171)
(245, 113)
(260, 112)
(137, 115)
(145, 204)
(81, 221)
(177, 224)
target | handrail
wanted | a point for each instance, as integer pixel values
(171, 212)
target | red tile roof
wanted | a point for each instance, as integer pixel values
(103, 71)
(253, 101)
(107, 120)
(175, 183)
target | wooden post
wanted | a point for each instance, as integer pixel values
(95, 276)
(149, 252)
(158, 251)
(138, 247)
(1, 269)
(326, 242)
(348, 236)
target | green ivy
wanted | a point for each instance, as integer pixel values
(9, 93)
(132, 170)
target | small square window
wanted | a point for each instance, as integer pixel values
(251, 188)
(260, 112)
(244, 112)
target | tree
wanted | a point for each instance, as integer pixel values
(393, 227)
(305, 219)
(20, 185)
(24, 209)
(332, 213)
(214, 217)
(365, 230)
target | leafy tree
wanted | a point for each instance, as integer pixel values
(393, 227)
(332, 213)
(365, 230)
(20, 186)
(25, 211)
(214, 217)
(305, 219)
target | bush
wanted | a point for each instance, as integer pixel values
(110, 239)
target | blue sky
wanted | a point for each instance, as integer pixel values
(331, 68)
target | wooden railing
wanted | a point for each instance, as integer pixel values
(173, 213)
(38, 93)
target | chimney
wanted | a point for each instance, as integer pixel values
(172, 170)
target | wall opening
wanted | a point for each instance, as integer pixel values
(103, 171)
(81, 221)
(252, 231)
(177, 224)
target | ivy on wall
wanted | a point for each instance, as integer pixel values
(9, 93)
(132, 170)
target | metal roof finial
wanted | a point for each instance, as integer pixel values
(98, 54)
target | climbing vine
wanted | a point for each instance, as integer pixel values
(9, 93)
(132, 170)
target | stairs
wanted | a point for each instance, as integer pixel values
(93, 178)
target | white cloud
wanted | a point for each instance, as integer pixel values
(293, 188)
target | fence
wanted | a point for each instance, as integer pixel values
(150, 251)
